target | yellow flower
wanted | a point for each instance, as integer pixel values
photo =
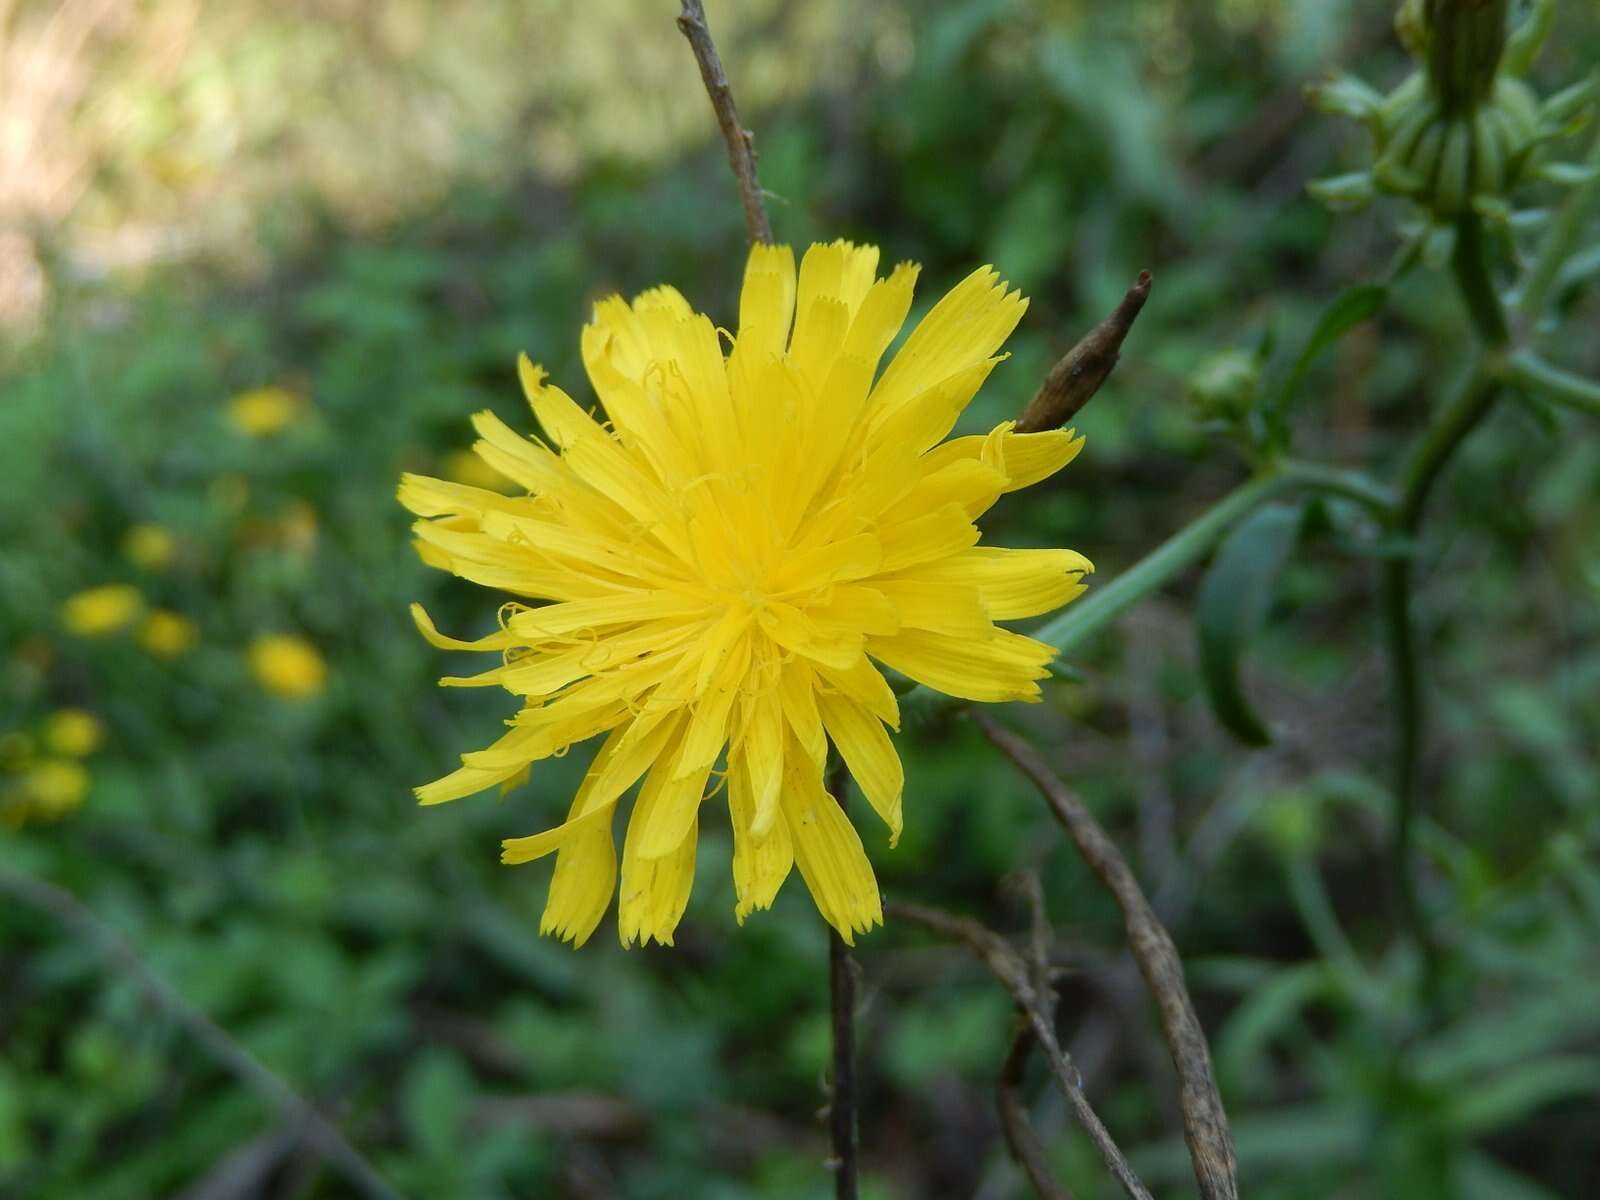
(262, 412)
(73, 733)
(102, 610)
(167, 634)
(51, 788)
(729, 560)
(287, 665)
(150, 547)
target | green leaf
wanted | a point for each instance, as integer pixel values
(1233, 603)
(1347, 311)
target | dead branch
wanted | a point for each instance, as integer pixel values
(1205, 1123)
(741, 143)
(1074, 380)
(1020, 1136)
(1012, 970)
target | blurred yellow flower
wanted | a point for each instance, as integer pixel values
(728, 560)
(463, 466)
(102, 610)
(167, 634)
(51, 788)
(73, 733)
(150, 547)
(289, 666)
(264, 411)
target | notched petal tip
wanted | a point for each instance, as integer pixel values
(532, 377)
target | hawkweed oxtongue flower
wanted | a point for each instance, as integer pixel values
(724, 566)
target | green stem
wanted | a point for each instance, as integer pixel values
(1105, 604)
(1471, 404)
(1528, 370)
(1471, 266)
(1352, 485)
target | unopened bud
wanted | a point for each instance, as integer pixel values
(1465, 41)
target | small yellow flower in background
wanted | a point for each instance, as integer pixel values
(166, 634)
(48, 790)
(102, 610)
(149, 547)
(289, 666)
(463, 466)
(728, 561)
(262, 412)
(73, 733)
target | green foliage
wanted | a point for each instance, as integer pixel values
(263, 854)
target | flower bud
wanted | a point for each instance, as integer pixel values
(1464, 42)
(1224, 384)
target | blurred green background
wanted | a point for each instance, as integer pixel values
(257, 260)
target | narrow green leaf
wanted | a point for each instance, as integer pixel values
(1347, 311)
(1233, 603)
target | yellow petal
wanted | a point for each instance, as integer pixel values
(937, 534)
(761, 747)
(584, 881)
(828, 852)
(498, 640)
(865, 684)
(966, 327)
(766, 305)
(1000, 667)
(1013, 583)
(869, 754)
(655, 891)
(761, 862)
(952, 608)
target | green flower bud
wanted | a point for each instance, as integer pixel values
(1462, 131)
(1465, 41)
(1224, 384)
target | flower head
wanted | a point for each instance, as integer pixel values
(167, 634)
(288, 666)
(264, 411)
(148, 546)
(716, 573)
(73, 733)
(98, 611)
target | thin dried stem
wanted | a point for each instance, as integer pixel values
(1205, 1123)
(229, 1054)
(1020, 1136)
(1014, 971)
(1074, 380)
(741, 143)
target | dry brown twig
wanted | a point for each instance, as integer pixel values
(1205, 1123)
(1015, 972)
(1074, 380)
(741, 143)
(1021, 1139)
(229, 1054)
